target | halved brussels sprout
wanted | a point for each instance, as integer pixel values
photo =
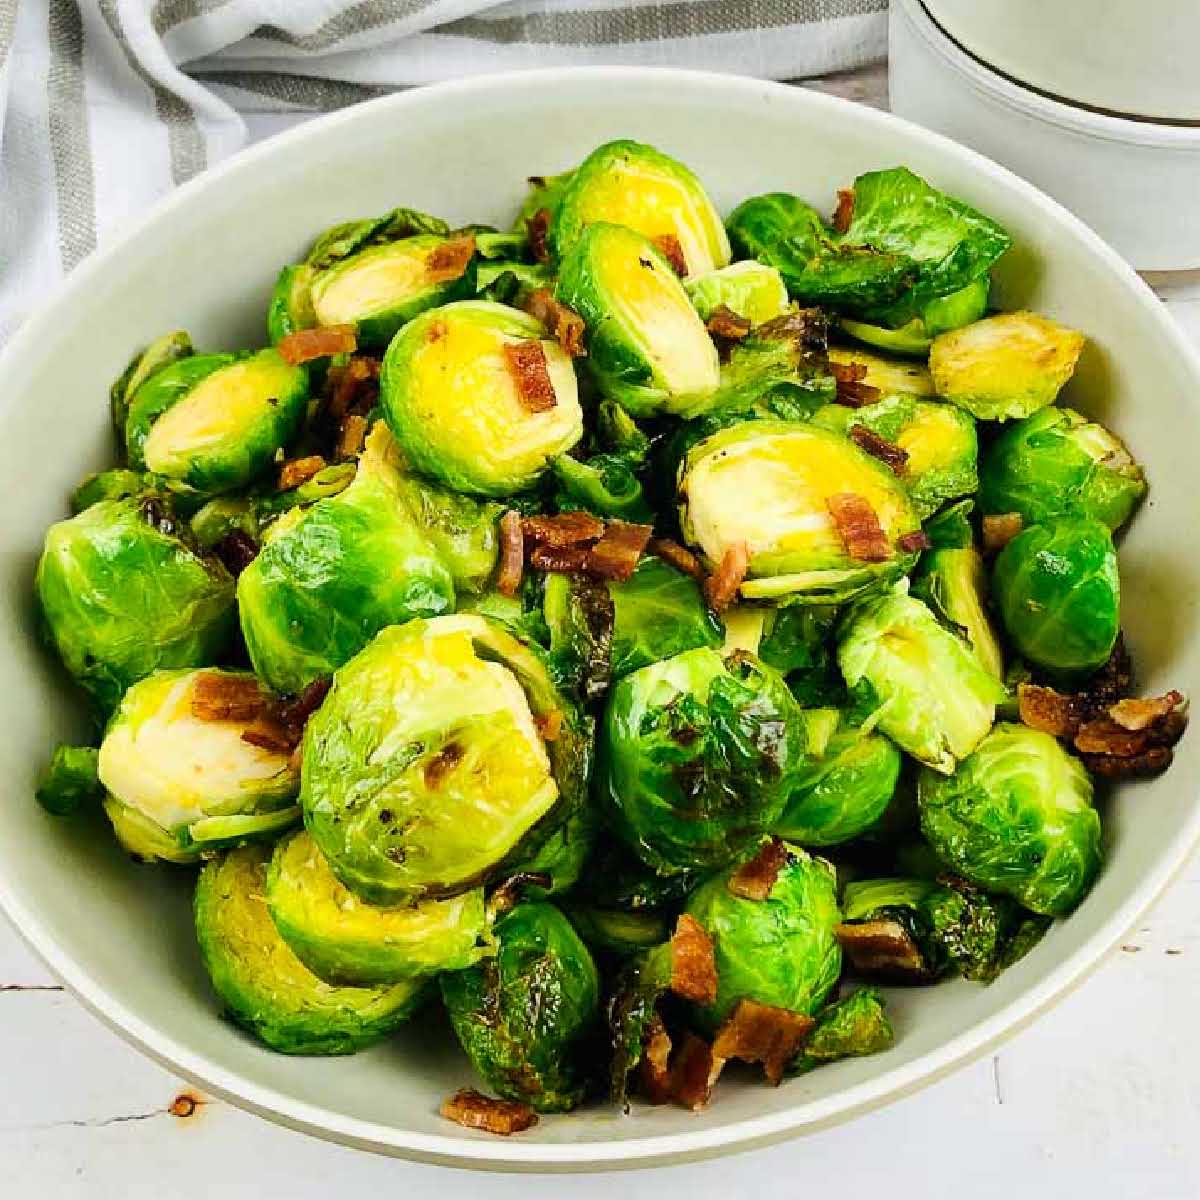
(160, 353)
(1017, 818)
(452, 391)
(749, 288)
(344, 941)
(953, 583)
(779, 951)
(892, 378)
(121, 596)
(931, 695)
(265, 987)
(1005, 366)
(213, 422)
(425, 772)
(178, 778)
(634, 185)
(525, 1016)
(698, 756)
(914, 335)
(847, 1028)
(1058, 592)
(330, 576)
(1056, 464)
(69, 781)
(766, 485)
(647, 347)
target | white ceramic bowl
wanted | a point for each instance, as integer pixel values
(120, 935)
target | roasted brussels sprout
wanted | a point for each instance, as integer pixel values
(1016, 818)
(750, 289)
(647, 347)
(478, 399)
(424, 770)
(330, 576)
(932, 697)
(121, 596)
(524, 1017)
(290, 309)
(767, 486)
(1005, 366)
(914, 334)
(697, 756)
(889, 376)
(557, 864)
(604, 484)
(1059, 594)
(798, 641)
(953, 583)
(1058, 464)
(780, 950)
(849, 1028)
(117, 484)
(265, 987)
(181, 779)
(160, 353)
(634, 185)
(214, 422)
(345, 942)
(69, 781)
(617, 931)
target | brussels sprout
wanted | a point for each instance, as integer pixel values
(291, 308)
(618, 879)
(1006, 366)
(511, 282)
(1057, 464)
(698, 755)
(1059, 594)
(184, 774)
(891, 377)
(345, 942)
(69, 781)
(751, 289)
(798, 642)
(213, 422)
(954, 585)
(338, 242)
(450, 394)
(934, 700)
(424, 770)
(633, 185)
(578, 613)
(849, 1028)
(843, 792)
(914, 334)
(265, 987)
(160, 353)
(1016, 818)
(618, 931)
(951, 528)
(779, 951)
(557, 864)
(647, 347)
(329, 577)
(604, 485)
(122, 596)
(117, 484)
(766, 485)
(524, 1017)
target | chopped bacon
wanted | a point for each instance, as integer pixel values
(565, 529)
(673, 553)
(1114, 680)
(1102, 735)
(351, 437)
(616, 554)
(725, 323)
(474, 1110)
(694, 1073)
(220, 697)
(844, 213)
(549, 724)
(268, 733)
(441, 764)
(279, 727)
(306, 344)
(237, 550)
(1139, 714)
(807, 327)
(296, 471)
(538, 229)
(295, 712)
(512, 554)
(563, 324)
(721, 587)
(449, 260)
(882, 948)
(910, 543)
(560, 558)
(851, 391)
(762, 1033)
(880, 448)
(526, 362)
(655, 1067)
(1150, 762)
(754, 880)
(1053, 712)
(667, 244)
(1000, 529)
(351, 388)
(858, 527)
(693, 962)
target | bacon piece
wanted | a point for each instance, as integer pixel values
(844, 213)
(350, 387)
(549, 725)
(910, 543)
(220, 697)
(295, 712)
(296, 471)
(351, 437)
(565, 529)
(616, 554)
(237, 550)
(538, 229)
(1114, 680)
(512, 554)
(1104, 736)
(1000, 529)
(440, 765)
(851, 391)
(807, 327)
(306, 344)
(858, 527)
(474, 1110)
(1053, 712)
(1150, 762)
(694, 1073)
(667, 244)
(721, 587)
(1139, 714)
(563, 324)
(884, 949)
(526, 362)
(754, 880)
(654, 1069)
(693, 962)
(879, 448)
(725, 323)
(762, 1033)
(271, 734)
(559, 558)
(673, 553)
(449, 260)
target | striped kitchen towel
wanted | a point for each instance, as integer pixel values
(107, 104)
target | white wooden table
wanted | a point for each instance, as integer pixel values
(1099, 1100)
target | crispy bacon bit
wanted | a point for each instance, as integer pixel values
(721, 587)
(351, 437)
(306, 344)
(880, 448)
(673, 553)
(351, 388)
(858, 527)
(508, 894)
(1139, 714)
(654, 1070)
(1150, 762)
(1114, 680)
(296, 471)
(1104, 736)
(268, 733)
(884, 949)
(844, 213)
(474, 1110)
(910, 543)
(725, 323)
(560, 558)
(1053, 712)
(237, 550)
(538, 229)
(668, 246)
(754, 880)
(761, 1033)
(220, 697)
(694, 1073)
(549, 725)
(851, 391)
(563, 324)
(449, 260)
(565, 529)
(693, 963)
(999, 530)
(807, 327)
(616, 554)
(512, 554)
(526, 363)
(441, 764)
(295, 712)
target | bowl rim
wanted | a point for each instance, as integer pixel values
(482, 1151)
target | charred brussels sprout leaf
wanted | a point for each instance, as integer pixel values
(750, 289)
(618, 879)
(69, 781)
(339, 242)
(160, 353)
(525, 1016)
(1016, 818)
(954, 585)
(698, 755)
(579, 616)
(265, 987)
(849, 1028)
(798, 641)
(951, 528)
